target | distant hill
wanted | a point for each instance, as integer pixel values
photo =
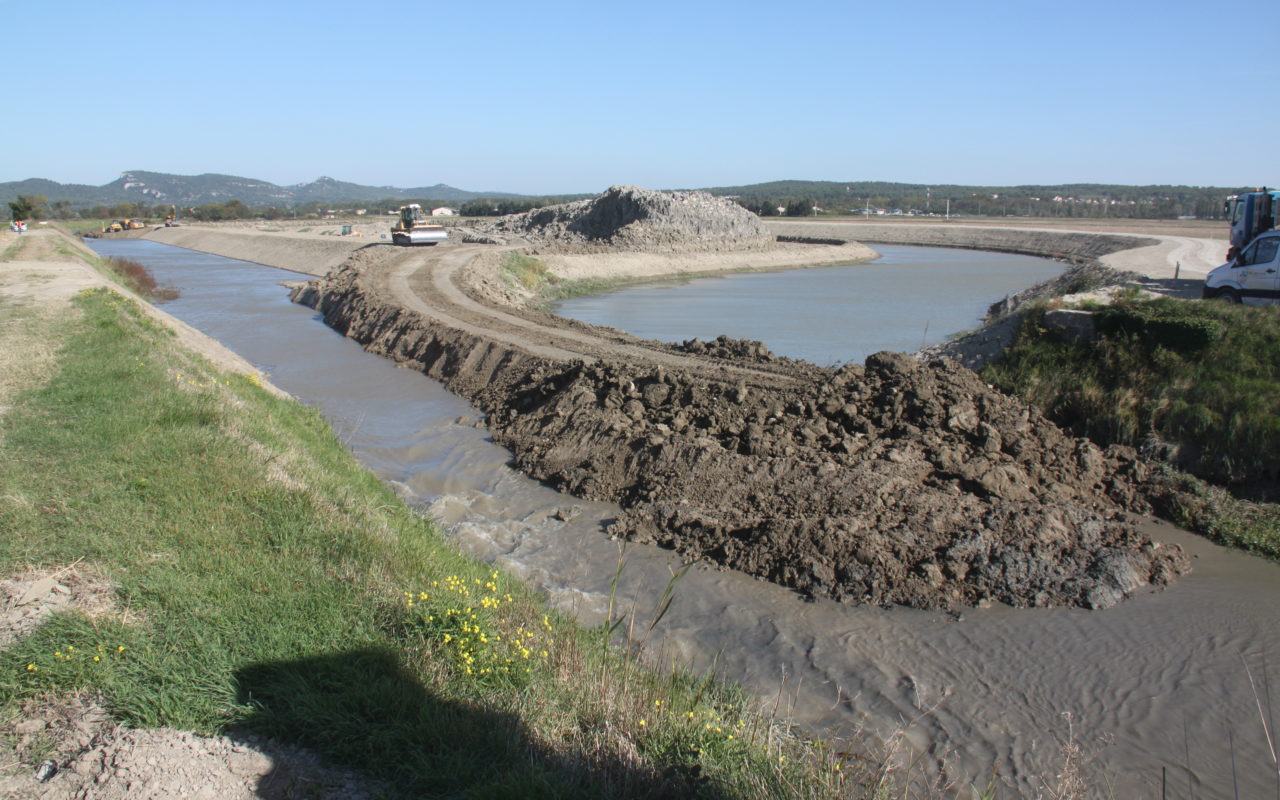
(1065, 200)
(152, 188)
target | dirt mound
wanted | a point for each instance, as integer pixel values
(91, 757)
(643, 220)
(28, 600)
(893, 483)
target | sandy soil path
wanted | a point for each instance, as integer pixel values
(1174, 257)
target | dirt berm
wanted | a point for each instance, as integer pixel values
(1073, 247)
(300, 253)
(893, 482)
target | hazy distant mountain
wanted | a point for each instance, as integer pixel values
(158, 188)
(152, 188)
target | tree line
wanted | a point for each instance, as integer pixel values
(1066, 200)
(1082, 201)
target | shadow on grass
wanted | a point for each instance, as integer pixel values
(362, 711)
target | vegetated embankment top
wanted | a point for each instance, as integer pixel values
(641, 220)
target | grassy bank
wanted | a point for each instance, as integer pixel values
(531, 274)
(264, 581)
(1196, 384)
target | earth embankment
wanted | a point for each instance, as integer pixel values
(313, 255)
(1071, 246)
(897, 482)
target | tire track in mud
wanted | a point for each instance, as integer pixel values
(897, 482)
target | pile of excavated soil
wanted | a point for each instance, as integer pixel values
(640, 220)
(899, 482)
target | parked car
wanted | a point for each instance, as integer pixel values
(1252, 277)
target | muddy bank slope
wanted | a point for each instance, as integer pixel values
(313, 255)
(896, 482)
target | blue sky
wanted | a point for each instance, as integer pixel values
(560, 97)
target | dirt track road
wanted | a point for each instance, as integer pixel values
(430, 281)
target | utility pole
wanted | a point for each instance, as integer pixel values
(948, 208)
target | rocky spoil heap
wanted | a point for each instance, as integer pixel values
(635, 219)
(897, 482)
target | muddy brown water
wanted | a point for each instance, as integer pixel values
(1159, 683)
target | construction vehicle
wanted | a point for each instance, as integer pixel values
(413, 228)
(1250, 214)
(134, 224)
(171, 219)
(115, 227)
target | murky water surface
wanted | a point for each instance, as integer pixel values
(908, 298)
(1161, 682)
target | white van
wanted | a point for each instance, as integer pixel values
(1253, 277)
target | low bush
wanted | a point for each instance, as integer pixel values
(138, 278)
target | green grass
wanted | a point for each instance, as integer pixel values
(1213, 512)
(527, 272)
(532, 275)
(1196, 383)
(1202, 377)
(272, 584)
(77, 225)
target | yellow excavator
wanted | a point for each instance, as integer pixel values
(413, 228)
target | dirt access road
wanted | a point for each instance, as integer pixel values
(430, 282)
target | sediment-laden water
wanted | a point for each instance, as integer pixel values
(908, 298)
(1166, 676)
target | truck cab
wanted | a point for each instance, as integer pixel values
(1252, 277)
(1250, 214)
